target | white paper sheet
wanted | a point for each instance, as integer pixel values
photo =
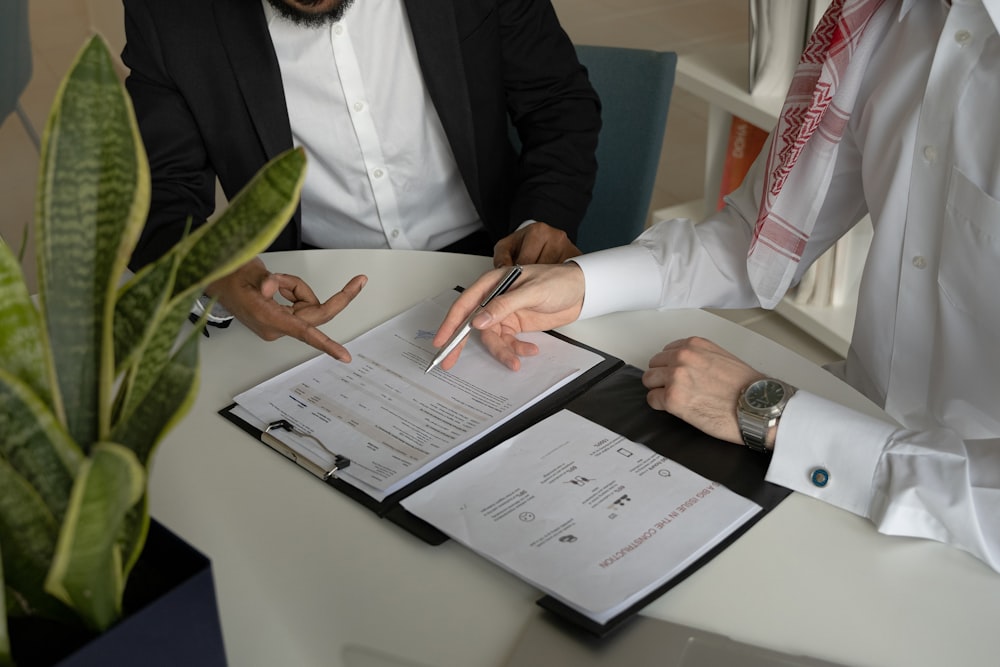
(591, 518)
(393, 421)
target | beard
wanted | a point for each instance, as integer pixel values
(309, 19)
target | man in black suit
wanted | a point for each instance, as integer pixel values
(221, 86)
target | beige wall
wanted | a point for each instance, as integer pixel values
(58, 30)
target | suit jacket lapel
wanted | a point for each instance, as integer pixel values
(435, 37)
(247, 43)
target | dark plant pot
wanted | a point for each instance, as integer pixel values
(171, 617)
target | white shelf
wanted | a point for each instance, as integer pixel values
(719, 76)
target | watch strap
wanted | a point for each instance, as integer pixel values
(218, 316)
(754, 430)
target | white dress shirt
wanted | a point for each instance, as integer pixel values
(922, 156)
(380, 173)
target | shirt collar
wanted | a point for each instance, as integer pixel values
(907, 6)
(269, 11)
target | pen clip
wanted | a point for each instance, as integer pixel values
(339, 461)
(503, 285)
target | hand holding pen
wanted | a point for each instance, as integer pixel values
(546, 296)
(466, 327)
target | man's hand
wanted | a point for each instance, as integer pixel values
(700, 382)
(249, 294)
(544, 297)
(537, 243)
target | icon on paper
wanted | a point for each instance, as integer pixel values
(579, 480)
(423, 334)
(621, 501)
(526, 516)
(569, 539)
(663, 472)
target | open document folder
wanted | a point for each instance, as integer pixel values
(560, 472)
(578, 511)
(393, 422)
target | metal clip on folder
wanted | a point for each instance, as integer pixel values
(339, 462)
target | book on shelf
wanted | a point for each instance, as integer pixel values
(560, 473)
(817, 285)
(778, 31)
(742, 148)
(832, 280)
(816, 10)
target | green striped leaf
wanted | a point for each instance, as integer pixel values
(34, 444)
(92, 201)
(133, 533)
(96, 360)
(88, 567)
(28, 533)
(136, 307)
(163, 402)
(255, 217)
(246, 228)
(23, 349)
(150, 358)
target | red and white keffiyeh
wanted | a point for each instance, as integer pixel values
(805, 140)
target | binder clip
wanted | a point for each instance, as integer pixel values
(339, 461)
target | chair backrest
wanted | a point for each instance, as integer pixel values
(15, 54)
(634, 86)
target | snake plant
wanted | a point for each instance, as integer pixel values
(98, 366)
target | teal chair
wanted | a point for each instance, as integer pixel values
(634, 86)
(15, 61)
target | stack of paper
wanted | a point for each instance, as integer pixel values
(594, 520)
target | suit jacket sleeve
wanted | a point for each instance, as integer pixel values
(490, 64)
(207, 92)
(556, 113)
(183, 179)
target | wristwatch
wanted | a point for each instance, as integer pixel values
(758, 409)
(218, 316)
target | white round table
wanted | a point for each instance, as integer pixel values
(305, 576)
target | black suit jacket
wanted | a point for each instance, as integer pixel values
(208, 96)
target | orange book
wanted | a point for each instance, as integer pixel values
(745, 142)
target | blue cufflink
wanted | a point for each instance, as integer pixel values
(819, 477)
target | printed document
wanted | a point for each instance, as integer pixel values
(580, 512)
(393, 421)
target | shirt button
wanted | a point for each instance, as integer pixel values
(963, 37)
(378, 173)
(395, 233)
(920, 262)
(930, 154)
(358, 106)
(820, 477)
(338, 29)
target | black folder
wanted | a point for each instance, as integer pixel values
(610, 394)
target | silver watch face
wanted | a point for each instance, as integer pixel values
(764, 394)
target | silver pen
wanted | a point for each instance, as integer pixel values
(466, 327)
